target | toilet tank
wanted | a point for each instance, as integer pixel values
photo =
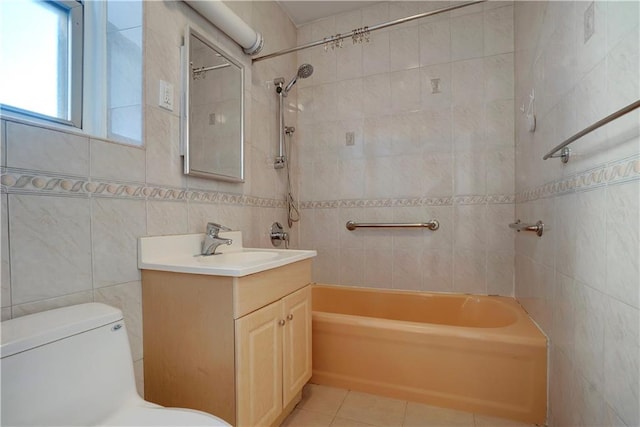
(68, 366)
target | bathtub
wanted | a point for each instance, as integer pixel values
(479, 354)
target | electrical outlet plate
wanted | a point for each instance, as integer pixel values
(350, 138)
(435, 86)
(165, 99)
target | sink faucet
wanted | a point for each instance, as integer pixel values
(211, 239)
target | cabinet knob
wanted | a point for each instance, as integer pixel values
(290, 317)
(282, 322)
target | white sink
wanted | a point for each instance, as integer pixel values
(181, 254)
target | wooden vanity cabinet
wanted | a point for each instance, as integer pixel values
(273, 358)
(238, 348)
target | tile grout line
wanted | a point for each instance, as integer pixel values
(340, 406)
(475, 422)
(404, 413)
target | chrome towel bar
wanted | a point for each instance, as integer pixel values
(538, 227)
(432, 225)
(565, 152)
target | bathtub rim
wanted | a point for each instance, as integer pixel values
(524, 331)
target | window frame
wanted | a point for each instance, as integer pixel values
(74, 83)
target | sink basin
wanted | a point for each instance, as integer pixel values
(181, 254)
(236, 258)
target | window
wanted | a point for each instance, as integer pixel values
(41, 57)
(74, 63)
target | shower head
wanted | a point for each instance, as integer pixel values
(304, 71)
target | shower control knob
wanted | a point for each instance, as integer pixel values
(278, 235)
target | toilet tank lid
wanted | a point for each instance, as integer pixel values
(27, 332)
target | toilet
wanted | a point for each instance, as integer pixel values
(72, 366)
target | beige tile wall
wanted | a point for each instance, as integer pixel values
(73, 206)
(79, 203)
(581, 280)
(124, 60)
(418, 155)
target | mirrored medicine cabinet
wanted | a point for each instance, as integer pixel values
(212, 120)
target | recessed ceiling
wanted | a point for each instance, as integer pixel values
(302, 12)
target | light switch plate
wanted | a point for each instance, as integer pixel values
(165, 99)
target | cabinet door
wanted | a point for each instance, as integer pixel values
(296, 364)
(259, 366)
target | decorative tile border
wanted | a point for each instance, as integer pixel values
(26, 181)
(20, 181)
(409, 202)
(619, 171)
(492, 199)
(30, 182)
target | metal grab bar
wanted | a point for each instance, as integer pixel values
(565, 152)
(432, 225)
(538, 227)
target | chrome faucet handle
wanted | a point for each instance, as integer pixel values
(213, 229)
(211, 240)
(278, 235)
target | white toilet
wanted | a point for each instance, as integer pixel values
(72, 366)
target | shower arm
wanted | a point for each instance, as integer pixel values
(304, 71)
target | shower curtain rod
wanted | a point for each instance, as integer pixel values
(213, 67)
(359, 31)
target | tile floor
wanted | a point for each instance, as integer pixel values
(323, 406)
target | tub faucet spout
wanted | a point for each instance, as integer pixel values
(212, 240)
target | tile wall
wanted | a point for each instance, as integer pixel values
(581, 280)
(124, 66)
(73, 206)
(430, 104)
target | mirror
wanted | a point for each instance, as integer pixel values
(212, 122)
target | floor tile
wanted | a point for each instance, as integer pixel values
(371, 409)
(321, 398)
(323, 406)
(486, 421)
(343, 422)
(303, 418)
(418, 415)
